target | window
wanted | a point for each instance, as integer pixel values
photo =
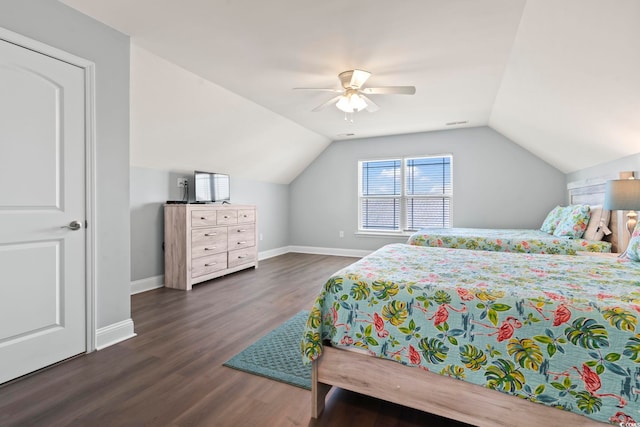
(405, 194)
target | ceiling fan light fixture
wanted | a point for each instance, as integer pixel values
(343, 104)
(357, 103)
(351, 102)
(354, 97)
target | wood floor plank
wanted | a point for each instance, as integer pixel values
(171, 374)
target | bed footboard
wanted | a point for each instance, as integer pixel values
(429, 392)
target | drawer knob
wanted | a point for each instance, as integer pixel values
(210, 249)
(242, 243)
(203, 217)
(210, 264)
(210, 234)
(241, 256)
(242, 231)
(226, 216)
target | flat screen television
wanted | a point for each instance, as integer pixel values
(211, 187)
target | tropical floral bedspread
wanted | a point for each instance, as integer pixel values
(553, 329)
(504, 240)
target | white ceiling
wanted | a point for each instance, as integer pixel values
(559, 77)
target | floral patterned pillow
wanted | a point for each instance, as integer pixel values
(574, 222)
(633, 250)
(553, 218)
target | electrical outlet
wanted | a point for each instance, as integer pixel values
(341, 233)
(182, 182)
(260, 236)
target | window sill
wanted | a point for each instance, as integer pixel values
(389, 234)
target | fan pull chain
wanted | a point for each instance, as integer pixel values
(348, 117)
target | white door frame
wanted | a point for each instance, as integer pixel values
(90, 161)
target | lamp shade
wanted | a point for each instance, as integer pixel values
(622, 195)
(343, 104)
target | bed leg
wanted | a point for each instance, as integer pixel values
(318, 392)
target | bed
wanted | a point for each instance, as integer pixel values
(505, 240)
(596, 236)
(488, 338)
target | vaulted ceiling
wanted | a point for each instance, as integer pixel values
(561, 78)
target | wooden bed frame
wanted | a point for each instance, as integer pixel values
(429, 392)
(440, 395)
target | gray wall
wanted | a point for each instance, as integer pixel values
(497, 184)
(150, 188)
(59, 26)
(608, 170)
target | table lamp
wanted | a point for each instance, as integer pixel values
(624, 195)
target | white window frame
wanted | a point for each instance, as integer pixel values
(403, 197)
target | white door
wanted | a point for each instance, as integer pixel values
(42, 189)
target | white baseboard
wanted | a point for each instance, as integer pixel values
(273, 252)
(114, 333)
(359, 253)
(147, 284)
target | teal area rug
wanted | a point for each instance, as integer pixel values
(277, 355)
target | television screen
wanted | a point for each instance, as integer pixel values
(211, 187)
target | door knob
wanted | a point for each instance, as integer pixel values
(73, 225)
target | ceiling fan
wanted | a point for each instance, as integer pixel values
(353, 97)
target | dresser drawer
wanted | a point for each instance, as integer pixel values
(203, 218)
(246, 216)
(209, 264)
(208, 241)
(241, 236)
(241, 256)
(227, 216)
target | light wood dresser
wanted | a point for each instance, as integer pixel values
(202, 242)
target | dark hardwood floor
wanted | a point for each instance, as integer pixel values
(171, 374)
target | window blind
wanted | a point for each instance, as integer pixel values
(405, 194)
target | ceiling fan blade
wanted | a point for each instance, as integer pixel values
(358, 78)
(387, 90)
(326, 104)
(320, 89)
(371, 106)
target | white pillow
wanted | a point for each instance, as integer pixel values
(598, 224)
